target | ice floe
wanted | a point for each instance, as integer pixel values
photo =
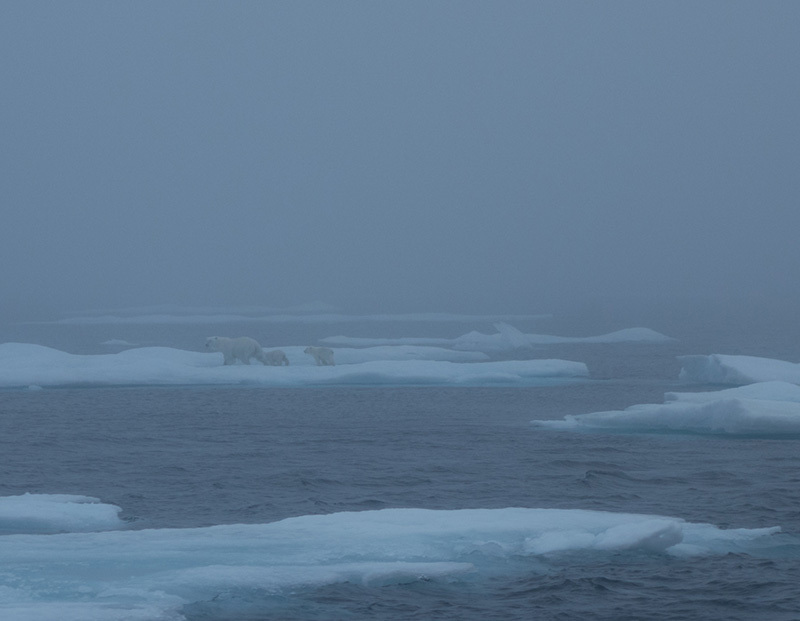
(154, 574)
(56, 513)
(507, 338)
(725, 369)
(771, 409)
(24, 365)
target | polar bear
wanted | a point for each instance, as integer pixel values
(276, 358)
(242, 348)
(322, 355)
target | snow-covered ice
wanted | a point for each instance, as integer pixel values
(56, 513)
(24, 365)
(507, 338)
(152, 574)
(771, 408)
(725, 369)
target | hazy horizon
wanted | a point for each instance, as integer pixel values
(474, 157)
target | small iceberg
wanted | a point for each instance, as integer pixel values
(766, 409)
(724, 369)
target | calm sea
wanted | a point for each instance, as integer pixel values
(196, 456)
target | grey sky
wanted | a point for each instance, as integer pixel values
(398, 156)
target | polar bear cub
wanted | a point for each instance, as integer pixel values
(276, 358)
(242, 348)
(322, 355)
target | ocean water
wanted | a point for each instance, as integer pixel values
(190, 457)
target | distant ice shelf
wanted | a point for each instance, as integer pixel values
(507, 338)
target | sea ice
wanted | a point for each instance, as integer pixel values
(24, 365)
(724, 369)
(507, 338)
(771, 408)
(152, 574)
(56, 513)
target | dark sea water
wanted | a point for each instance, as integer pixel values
(198, 456)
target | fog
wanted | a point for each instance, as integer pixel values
(407, 156)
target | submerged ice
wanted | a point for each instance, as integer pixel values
(152, 574)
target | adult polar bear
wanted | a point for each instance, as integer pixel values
(323, 356)
(242, 348)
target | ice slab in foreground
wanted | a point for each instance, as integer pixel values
(56, 513)
(153, 574)
(507, 338)
(770, 408)
(33, 365)
(724, 369)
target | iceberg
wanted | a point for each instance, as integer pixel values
(725, 369)
(155, 574)
(766, 409)
(507, 338)
(23, 365)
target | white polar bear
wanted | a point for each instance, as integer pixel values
(242, 348)
(276, 358)
(322, 355)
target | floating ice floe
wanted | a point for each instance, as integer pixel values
(25, 365)
(56, 513)
(154, 574)
(724, 369)
(507, 338)
(771, 408)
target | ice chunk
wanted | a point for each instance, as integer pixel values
(724, 369)
(56, 513)
(767, 391)
(771, 408)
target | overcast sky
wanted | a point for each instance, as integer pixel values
(398, 156)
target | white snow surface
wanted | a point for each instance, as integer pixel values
(769, 408)
(507, 338)
(23, 365)
(56, 513)
(725, 369)
(152, 574)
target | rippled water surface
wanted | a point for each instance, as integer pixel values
(188, 457)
